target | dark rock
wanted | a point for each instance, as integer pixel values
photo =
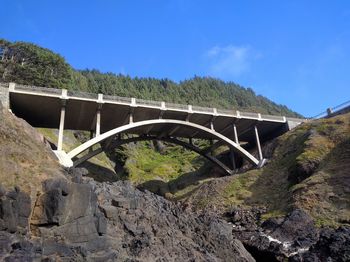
(297, 228)
(2, 190)
(110, 221)
(332, 245)
(244, 217)
(15, 208)
(279, 237)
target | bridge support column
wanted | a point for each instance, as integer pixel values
(211, 142)
(235, 134)
(98, 115)
(98, 122)
(232, 156)
(61, 127)
(258, 143)
(131, 116)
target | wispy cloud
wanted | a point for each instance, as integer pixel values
(230, 60)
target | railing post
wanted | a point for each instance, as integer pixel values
(238, 114)
(12, 87)
(190, 109)
(329, 111)
(162, 105)
(189, 113)
(64, 94)
(258, 142)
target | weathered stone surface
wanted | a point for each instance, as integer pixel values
(91, 221)
(15, 208)
(332, 245)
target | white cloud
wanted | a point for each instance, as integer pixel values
(230, 60)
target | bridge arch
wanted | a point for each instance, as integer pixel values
(236, 147)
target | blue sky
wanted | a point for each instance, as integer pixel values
(296, 53)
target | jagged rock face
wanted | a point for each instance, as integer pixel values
(15, 208)
(293, 237)
(155, 228)
(332, 245)
(86, 220)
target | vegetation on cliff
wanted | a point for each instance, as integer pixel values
(309, 169)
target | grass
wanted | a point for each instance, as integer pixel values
(144, 163)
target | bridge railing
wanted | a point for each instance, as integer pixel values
(295, 119)
(128, 100)
(39, 89)
(119, 99)
(249, 114)
(271, 117)
(332, 110)
(203, 109)
(148, 102)
(82, 94)
(6, 85)
(176, 106)
(226, 112)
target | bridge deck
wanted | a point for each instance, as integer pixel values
(41, 107)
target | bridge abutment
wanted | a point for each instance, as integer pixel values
(5, 97)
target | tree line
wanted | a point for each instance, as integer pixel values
(29, 64)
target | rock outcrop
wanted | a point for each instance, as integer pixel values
(80, 219)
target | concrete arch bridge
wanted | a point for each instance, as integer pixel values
(109, 116)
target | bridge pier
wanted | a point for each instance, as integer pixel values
(233, 159)
(235, 134)
(5, 95)
(98, 115)
(258, 143)
(62, 118)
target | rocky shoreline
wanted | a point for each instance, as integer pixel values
(293, 237)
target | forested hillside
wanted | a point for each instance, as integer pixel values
(29, 64)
